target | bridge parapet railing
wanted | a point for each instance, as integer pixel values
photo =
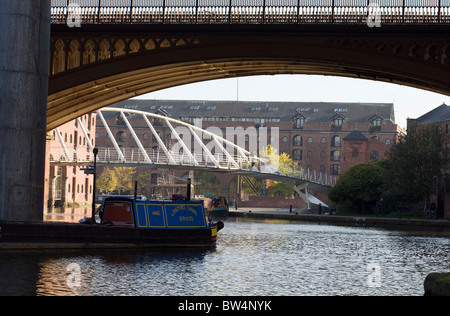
(249, 11)
(133, 156)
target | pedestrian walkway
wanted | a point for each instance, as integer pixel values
(286, 214)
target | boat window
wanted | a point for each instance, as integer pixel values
(119, 213)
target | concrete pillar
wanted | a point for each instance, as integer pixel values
(24, 64)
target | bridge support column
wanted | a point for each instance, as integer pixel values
(24, 64)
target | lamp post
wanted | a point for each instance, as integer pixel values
(93, 186)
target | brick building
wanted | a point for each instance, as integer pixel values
(68, 185)
(441, 116)
(320, 136)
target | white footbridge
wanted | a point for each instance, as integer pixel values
(190, 148)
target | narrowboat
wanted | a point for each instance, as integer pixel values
(125, 222)
(218, 208)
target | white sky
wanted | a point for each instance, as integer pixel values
(408, 102)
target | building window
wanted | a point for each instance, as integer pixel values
(322, 168)
(355, 153)
(120, 137)
(376, 123)
(388, 141)
(336, 141)
(337, 123)
(309, 154)
(297, 154)
(374, 155)
(323, 140)
(310, 140)
(285, 139)
(335, 155)
(335, 170)
(145, 136)
(298, 140)
(323, 154)
(298, 122)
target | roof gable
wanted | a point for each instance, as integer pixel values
(355, 135)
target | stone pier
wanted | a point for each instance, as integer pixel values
(24, 64)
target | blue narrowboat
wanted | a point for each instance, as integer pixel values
(125, 223)
(175, 222)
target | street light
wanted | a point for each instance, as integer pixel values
(93, 187)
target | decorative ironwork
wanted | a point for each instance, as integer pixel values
(249, 11)
(72, 52)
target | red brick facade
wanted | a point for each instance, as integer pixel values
(313, 134)
(68, 185)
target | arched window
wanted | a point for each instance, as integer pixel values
(285, 139)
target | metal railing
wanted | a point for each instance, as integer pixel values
(249, 11)
(133, 156)
(224, 156)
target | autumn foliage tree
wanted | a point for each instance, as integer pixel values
(121, 179)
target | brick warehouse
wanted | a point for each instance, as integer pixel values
(320, 136)
(68, 185)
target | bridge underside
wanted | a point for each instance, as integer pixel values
(141, 59)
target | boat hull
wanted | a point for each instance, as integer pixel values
(72, 236)
(218, 213)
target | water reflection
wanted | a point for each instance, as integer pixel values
(252, 258)
(67, 215)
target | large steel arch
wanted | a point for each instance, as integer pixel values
(189, 54)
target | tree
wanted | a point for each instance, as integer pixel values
(107, 181)
(360, 186)
(417, 162)
(284, 164)
(121, 179)
(124, 177)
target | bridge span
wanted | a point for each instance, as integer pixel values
(193, 148)
(123, 48)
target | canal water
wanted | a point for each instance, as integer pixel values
(252, 258)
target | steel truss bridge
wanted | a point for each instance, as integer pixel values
(249, 11)
(215, 154)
